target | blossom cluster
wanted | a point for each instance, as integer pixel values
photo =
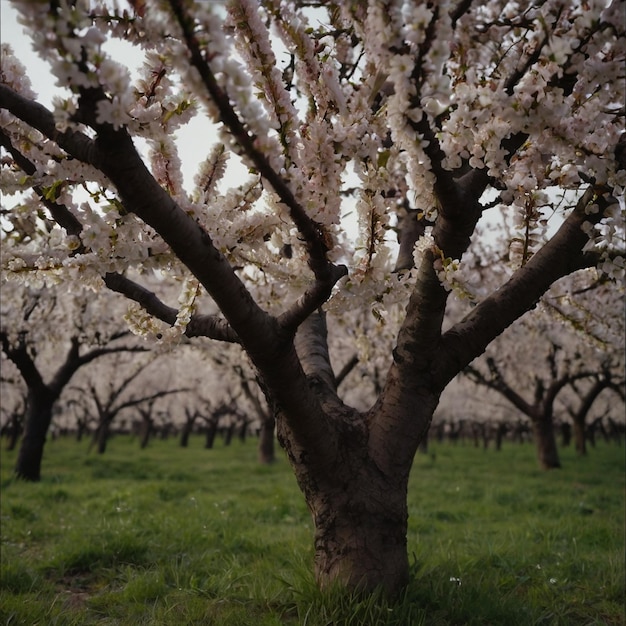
(358, 110)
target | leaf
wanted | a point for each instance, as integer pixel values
(54, 191)
(383, 158)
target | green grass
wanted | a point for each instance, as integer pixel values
(191, 536)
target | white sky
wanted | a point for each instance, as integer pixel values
(197, 137)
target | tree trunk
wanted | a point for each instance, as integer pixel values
(14, 431)
(210, 436)
(566, 434)
(103, 435)
(266, 450)
(545, 440)
(184, 435)
(359, 544)
(501, 431)
(146, 433)
(243, 431)
(36, 423)
(580, 437)
(359, 512)
(228, 434)
(360, 529)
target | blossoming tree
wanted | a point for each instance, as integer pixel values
(573, 343)
(50, 335)
(446, 112)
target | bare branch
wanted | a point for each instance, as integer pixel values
(346, 369)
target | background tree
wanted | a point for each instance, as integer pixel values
(588, 393)
(114, 396)
(448, 110)
(49, 337)
(566, 345)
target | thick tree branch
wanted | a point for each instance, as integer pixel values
(562, 255)
(22, 360)
(74, 361)
(394, 434)
(210, 326)
(34, 114)
(310, 300)
(117, 158)
(496, 382)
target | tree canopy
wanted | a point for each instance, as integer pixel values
(421, 118)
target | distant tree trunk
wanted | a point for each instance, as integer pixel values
(440, 431)
(14, 431)
(101, 436)
(228, 434)
(146, 433)
(580, 437)
(590, 433)
(243, 431)
(184, 435)
(501, 431)
(266, 448)
(475, 429)
(566, 434)
(545, 440)
(211, 431)
(81, 429)
(486, 435)
(616, 431)
(36, 423)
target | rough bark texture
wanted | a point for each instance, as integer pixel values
(359, 514)
(360, 530)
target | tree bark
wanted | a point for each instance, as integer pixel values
(545, 440)
(14, 431)
(145, 435)
(36, 423)
(228, 434)
(360, 516)
(101, 436)
(360, 533)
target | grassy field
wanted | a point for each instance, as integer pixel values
(168, 536)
